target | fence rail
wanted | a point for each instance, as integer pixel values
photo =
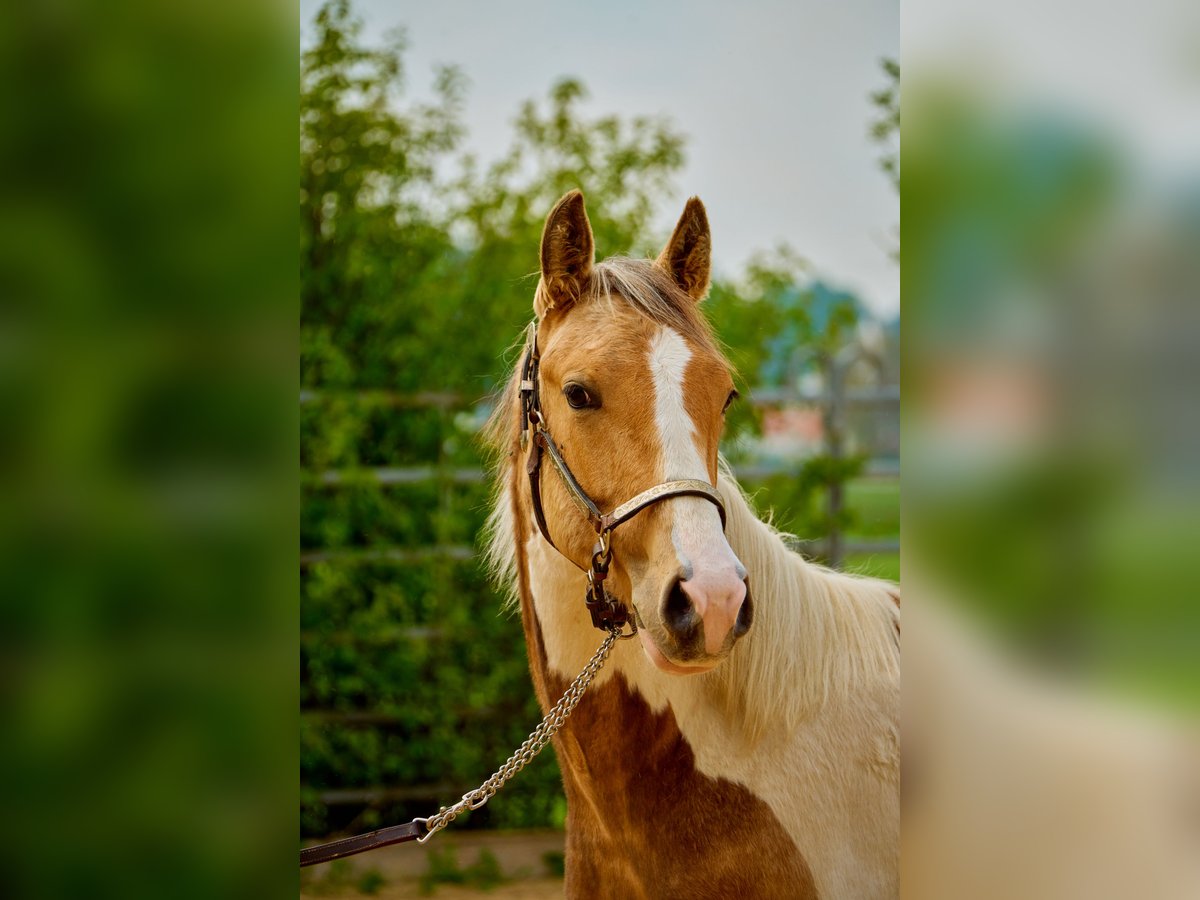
(881, 395)
(816, 547)
(372, 796)
(388, 553)
(392, 475)
(415, 400)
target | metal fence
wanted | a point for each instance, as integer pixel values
(839, 407)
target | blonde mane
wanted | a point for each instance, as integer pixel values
(817, 635)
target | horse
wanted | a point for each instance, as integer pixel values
(746, 743)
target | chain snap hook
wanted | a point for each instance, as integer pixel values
(620, 634)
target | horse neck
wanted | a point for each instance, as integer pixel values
(817, 635)
(820, 638)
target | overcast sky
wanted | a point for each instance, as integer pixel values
(772, 97)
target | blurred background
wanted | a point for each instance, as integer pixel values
(1051, 250)
(421, 215)
(148, 325)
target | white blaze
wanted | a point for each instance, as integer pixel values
(669, 356)
(695, 522)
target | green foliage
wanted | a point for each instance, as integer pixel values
(555, 862)
(885, 127)
(876, 505)
(400, 257)
(885, 131)
(795, 502)
(483, 874)
(337, 877)
(371, 881)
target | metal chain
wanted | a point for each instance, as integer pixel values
(537, 740)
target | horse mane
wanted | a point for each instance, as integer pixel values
(817, 632)
(649, 289)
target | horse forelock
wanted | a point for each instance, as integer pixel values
(651, 291)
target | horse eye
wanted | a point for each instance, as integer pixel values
(579, 398)
(733, 395)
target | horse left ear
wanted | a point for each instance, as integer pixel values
(568, 251)
(688, 254)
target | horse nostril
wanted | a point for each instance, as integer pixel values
(745, 614)
(679, 615)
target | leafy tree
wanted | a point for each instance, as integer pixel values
(373, 251)
(885, 127)
(885, 130)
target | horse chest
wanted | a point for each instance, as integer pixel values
(643, 821)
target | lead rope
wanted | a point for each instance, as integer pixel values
(533, 745)
(537, 740)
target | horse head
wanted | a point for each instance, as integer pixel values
(633, 390)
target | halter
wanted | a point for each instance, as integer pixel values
(607, 613)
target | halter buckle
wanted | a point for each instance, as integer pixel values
(607, 614)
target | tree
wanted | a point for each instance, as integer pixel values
(885, 127)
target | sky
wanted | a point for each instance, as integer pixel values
(771, 96)
(1137, 76)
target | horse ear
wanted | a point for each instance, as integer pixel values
(567, 254)
(688, 254)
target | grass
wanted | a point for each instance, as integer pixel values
(340, 878)
(483, 874)
(877, 565)
(875, 505)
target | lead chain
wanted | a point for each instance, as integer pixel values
(537, 740)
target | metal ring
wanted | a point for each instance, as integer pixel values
(429, 832)
(475, 799)
(620, 634)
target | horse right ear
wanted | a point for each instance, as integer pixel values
(688, 254)
(567, 255)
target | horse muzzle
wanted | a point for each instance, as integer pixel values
(700, 619)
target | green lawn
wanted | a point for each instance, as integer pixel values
(875, 504)
(877, 565)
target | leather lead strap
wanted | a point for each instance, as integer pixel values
(384, 837)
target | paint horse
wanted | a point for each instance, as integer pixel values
(746, 744)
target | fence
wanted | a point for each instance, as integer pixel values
(884, 400)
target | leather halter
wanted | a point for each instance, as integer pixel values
(607, 613)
